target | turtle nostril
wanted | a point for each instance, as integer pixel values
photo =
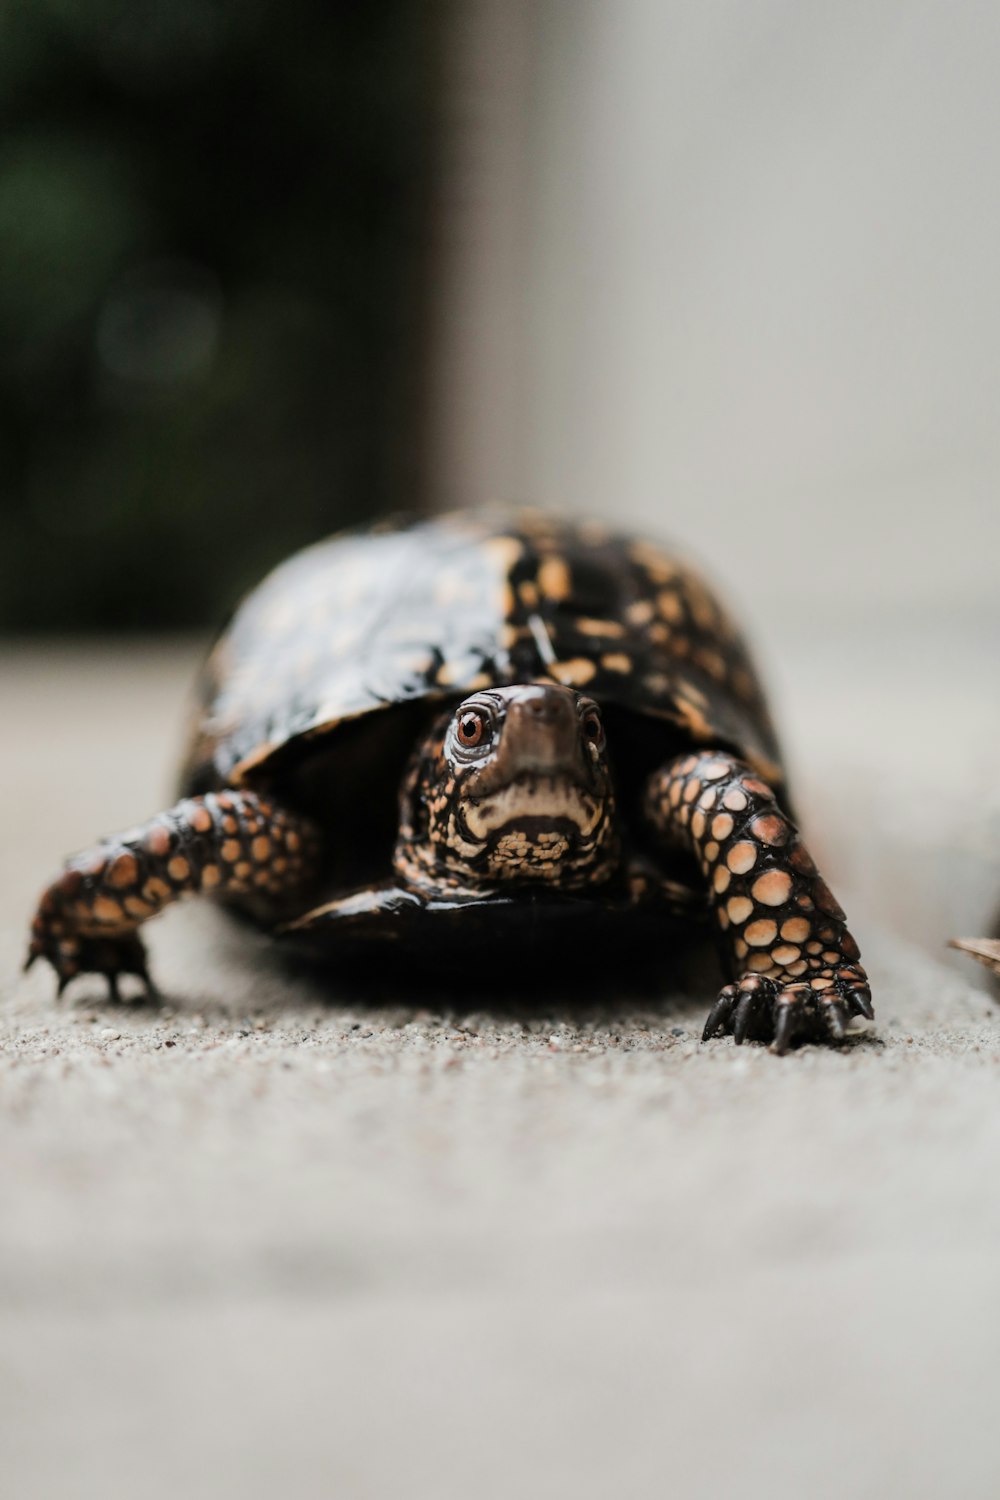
(546, 711)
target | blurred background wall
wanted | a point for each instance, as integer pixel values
(212, 291)
(737, 275)
(725, 268)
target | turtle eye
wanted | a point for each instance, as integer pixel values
(472, 729)
(593, 729)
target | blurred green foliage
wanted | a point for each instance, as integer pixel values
(212, 236)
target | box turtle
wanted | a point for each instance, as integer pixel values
(478, 730)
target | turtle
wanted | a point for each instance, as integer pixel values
(469, 729)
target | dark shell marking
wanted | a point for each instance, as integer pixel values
(440, 608)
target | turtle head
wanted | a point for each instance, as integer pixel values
(514, 785)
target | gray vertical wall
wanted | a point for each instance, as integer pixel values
(733, 269)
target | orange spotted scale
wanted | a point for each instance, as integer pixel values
(509, 729)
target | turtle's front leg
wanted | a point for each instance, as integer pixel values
(795, 968)
(232, 844)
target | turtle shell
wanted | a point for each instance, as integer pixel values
(435, 609)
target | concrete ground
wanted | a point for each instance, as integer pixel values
(267, 1240)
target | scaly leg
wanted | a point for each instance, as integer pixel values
(232, 844)
(795, 968)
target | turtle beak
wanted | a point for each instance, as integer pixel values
(542, 734)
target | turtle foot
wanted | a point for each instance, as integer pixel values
(761, 1009)
(73, 955)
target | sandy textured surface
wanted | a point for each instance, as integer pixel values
(266, 1240)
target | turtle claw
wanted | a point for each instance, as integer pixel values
(836, 1022)
(760, 1008)
(750, 1015)
(717, 1016)
(71, 956)
(784, 1029)
(741, 1019)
